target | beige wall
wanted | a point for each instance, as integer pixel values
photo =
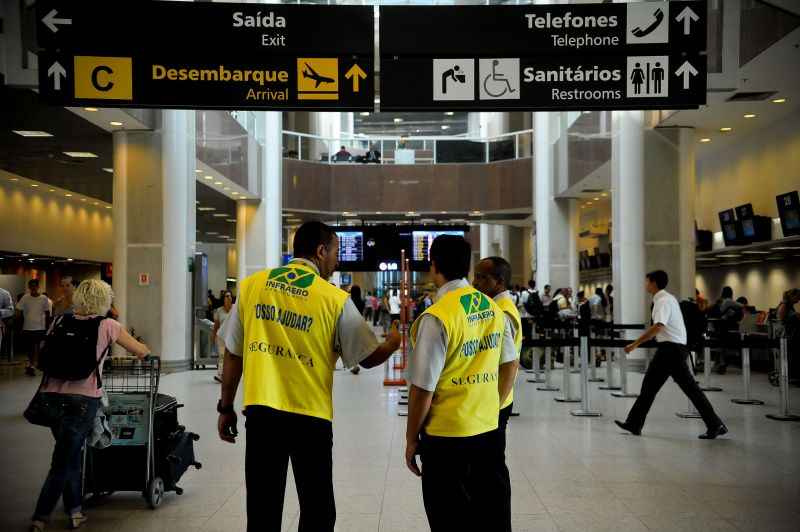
(38, 221)
(754, 170)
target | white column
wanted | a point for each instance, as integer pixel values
(486, 241)
(177, 167)
(628, 216)
(120, 223)
(259, 222)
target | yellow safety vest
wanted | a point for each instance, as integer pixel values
(466, 400)
(289, 316)
(507, 305)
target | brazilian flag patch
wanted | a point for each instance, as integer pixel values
(474, 303)
(297, 277)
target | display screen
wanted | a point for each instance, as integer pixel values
(730, 232)
(422, 241)
(748, 229)
(351, 246)
(792, 219)
(789, 212)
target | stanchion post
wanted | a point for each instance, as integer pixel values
(691, 412)
(584, 410)
(623, 375)
(746, 400)
(610, 369)
(784, 414)
(566, 378)
(707, 386)
(593, 366)
(548, 377)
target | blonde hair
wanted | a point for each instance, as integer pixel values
(93, 297)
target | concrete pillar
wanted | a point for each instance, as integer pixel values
(627, 214)
(259, 222)
(495, 241)
(556, 219)
(154, 174)
(669, 199)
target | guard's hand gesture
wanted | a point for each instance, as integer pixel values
(227, 427)
(393, 336)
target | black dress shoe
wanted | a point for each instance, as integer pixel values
(713, 433)
(626, 427)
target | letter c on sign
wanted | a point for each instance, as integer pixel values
(108, 85)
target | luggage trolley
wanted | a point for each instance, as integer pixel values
(133, 461)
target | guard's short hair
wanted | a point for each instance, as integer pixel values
(501, 270)
(310, 236)
(451, 254)
(659, 277)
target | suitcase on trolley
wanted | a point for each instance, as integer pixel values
(175, 456)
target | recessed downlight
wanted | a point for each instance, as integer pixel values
(109, 170)
(218, 183)
(81, 154)
(705, 139)
(725, 129)
(208, 177)
(779, 100)
(90, 109)
(116, 124)
(68, 195)
(750, 115)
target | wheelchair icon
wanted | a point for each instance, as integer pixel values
(500, 83)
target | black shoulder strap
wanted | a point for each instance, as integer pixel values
(103, 355)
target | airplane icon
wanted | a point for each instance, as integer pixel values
(310, 73)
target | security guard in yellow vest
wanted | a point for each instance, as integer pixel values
(283, 338)
(454, 398)
(493, 277)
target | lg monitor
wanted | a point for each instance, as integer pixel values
(730, 228)
(789, 212)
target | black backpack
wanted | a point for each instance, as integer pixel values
(695, 322)
(533, 305)
(70, 349)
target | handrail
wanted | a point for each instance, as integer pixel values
(409, 138)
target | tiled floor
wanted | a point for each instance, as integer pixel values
(568, 473)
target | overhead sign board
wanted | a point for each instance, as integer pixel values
(505, 30)
(647, 55)
(206, 55)
(544, 83)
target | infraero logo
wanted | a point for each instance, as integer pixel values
(476, 306)
(294, 281)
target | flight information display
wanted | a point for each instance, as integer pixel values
(351, 246)
(422, 241)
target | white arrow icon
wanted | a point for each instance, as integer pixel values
(687, 16)
(52, 22)
(686, 70)
(57, 71)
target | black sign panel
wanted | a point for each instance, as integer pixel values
(281, 83)
(224, 30)
(638, 28)
(206, 55)
(544, 83)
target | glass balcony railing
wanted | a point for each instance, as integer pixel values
(359, 149)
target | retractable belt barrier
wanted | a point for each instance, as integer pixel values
(784, 414)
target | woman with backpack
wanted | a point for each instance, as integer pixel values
(72, 360)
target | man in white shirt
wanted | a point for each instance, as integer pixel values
(36, 310)
(394, 306)
(669, 361)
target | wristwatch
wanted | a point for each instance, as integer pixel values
(224, 409)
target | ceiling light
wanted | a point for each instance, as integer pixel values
(597, 199)
(750, 115)
(198, 171)
(218, 183)
(705, 139)
(83, 199)
(206, 209)
(51, 190)
(226, 188)
(68, 195)
(449, 113)
(108, 206)
(90, 109)
(348, 213)
(779, 248)
(285, 214)
(588, 203)
(212, 233)
(364, 113)
(70, 260)
(220, 215)
(777, 257)
(442, 212)
(445, 127)
(755, 252)
(25, 254)
(411, 213)
(208, 177)
(378, 212)
(706, 258)
(476, 213)
(398, 120)
(729, 256)
(95, 203)
(35, 185)
(81, 154)
(14, 179)
(109, 170)
(779, 100)
(32, 134)
(235, 193)
(231, 220)
(115, 123)
(726, 129)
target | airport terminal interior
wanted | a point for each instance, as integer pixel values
(173, 168)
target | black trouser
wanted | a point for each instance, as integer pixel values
(505, 517)
(670, 361)
(463, 487)
(274, 437)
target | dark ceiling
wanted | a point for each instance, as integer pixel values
(411, 124)
(43, 159)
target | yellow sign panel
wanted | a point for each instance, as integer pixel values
(103, 78)
(317, 78)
